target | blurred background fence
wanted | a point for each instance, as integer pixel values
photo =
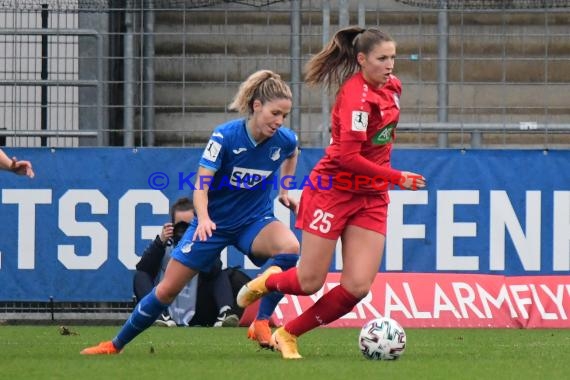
(476, 73)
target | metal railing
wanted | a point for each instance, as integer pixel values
(44, 83)
(58, 312)
(166, 69)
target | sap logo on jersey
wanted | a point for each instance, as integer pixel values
(247, 178)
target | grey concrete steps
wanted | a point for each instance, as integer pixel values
(468, 97)
(493, 40)
(216, 67)
(233, 68)
(231, 52)
(203, 55)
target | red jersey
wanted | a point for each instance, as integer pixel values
(363, 114)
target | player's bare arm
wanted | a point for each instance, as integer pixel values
(205, 224)
(287, 172)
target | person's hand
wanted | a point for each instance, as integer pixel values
(204, 230)
(289, 202)
(22, 167)
(412, 181)
(167, 232)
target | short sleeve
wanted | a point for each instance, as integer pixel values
(212, 155)
(293, 142)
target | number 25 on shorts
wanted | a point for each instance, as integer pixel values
(321, 221)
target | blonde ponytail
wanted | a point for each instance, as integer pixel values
(263, 85)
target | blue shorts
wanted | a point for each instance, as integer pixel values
(202, 255)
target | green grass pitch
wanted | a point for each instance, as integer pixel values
(41, 352)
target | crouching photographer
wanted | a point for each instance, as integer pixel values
(193, 306)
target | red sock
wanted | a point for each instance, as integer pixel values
(285, 282)
(327, 309)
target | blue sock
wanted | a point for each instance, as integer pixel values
(142, 317)
(268, 303)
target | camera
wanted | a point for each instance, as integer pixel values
(178, 231)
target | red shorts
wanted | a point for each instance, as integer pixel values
(327, 212)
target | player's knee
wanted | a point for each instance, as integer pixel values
(165, 294)
(290, 247)
(357, 290)
(311, 285)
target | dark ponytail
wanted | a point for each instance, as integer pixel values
(337, 60)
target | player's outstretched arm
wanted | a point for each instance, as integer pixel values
(20, 167)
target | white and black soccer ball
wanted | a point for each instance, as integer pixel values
(382, 339)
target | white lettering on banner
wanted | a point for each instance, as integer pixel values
(502, 216)
(95, 231)
(443, 303)
(557, 298)
(26, 199)
(448, 303)
(520, 300)
(397, 231)
(410, 297)
(447, 229)
(539, 305)
(127, 221)
(465, 296)
(502, 297)
(393, 303)
(561, 227)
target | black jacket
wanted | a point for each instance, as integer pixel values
(151, 259)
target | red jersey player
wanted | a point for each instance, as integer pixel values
(354, 208)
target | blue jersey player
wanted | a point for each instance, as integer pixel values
(237, 172)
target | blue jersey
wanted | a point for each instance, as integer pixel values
(245, 173)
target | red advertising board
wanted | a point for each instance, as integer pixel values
(451, 300)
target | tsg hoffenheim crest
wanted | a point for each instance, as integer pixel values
(275, 153)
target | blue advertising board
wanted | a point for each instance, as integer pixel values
(75, 231)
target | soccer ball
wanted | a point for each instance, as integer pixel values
(382, 339)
